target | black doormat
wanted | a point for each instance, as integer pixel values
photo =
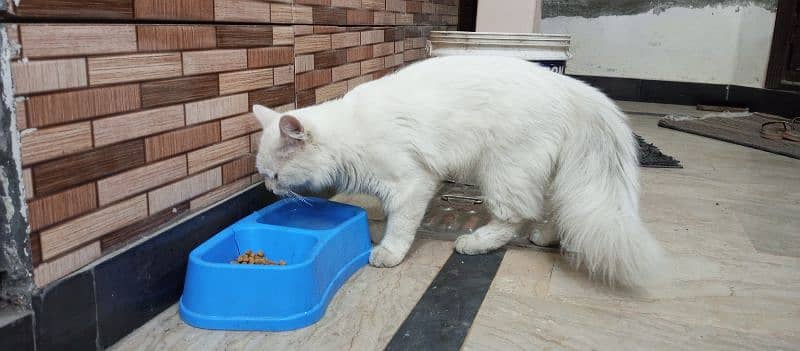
(650, 156)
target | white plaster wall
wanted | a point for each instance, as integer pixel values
(724, 45)
(508, 16)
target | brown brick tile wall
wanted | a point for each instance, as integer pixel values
(128, 126)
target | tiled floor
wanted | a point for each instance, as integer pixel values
(730, 221)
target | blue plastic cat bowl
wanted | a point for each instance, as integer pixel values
(323, 243)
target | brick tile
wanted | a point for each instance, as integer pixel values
(49, 75)
(393, 34)
(313, 79)
(27, 178)
(359, 53)
(415, 43)
(235, 82)
(133, 125)
(328, 29)
(241, 11)
(255, 140)
(393, 61)
(413, 6)
(280, 13)
(313, 2)
(345, 72)
(199, 10)
(44, 110)
(306, 98)
(352, 83)
(173, 37)
(256, 179)
(284, 108)
(51, 271)
(238, 168)
(384, 18)
(330, 92)
(73, 40)
(284, 75)
(374, 4)
(243, 36)
(177, 90)
(328, 59)
(380, 74)
(128, 233)
(130, 68)
(140, 179)
(372, 65)
(345, 40)
(106, 9)
(273, 97)
(21, 112)
(179, 141)
(63, 173)
(302, 14)
(303, 63)
(346, 3)
(200, 62)
(218, 153)
(396, 5)
(270, 56)
(180, 191)
(405, 19)
(312, 43)
(399, 46)
(383, 49)
(219, 194)
(282, 35)
(81, 230)
(301, 30)
(239, 125)
(45, 144)
(413, 54)
(371, 37)
(329, 15)
(36, 249)
(362, 17)
(211, 109)
(55, 208)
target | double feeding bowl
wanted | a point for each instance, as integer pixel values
(322, 243)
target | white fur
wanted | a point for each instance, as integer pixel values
(508, 125)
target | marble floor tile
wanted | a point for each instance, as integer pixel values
(362, 316)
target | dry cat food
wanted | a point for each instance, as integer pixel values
(250, 257)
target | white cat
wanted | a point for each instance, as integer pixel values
(505, 124)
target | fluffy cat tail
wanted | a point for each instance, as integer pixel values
(595, 197)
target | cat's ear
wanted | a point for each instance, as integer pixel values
(265, 115)
(292, 129)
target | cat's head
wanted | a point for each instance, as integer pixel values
(290, 156)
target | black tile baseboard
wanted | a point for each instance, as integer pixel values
(16, 331)
(66, 317)
(779, 102)
(96, 307)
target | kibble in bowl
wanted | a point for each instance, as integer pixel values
(250, 257)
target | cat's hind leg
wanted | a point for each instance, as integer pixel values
(513, 186)
(491, 236)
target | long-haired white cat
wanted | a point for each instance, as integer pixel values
(508, 125)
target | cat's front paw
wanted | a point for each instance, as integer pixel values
(471, 244)
(382, 256)
(540, 237)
